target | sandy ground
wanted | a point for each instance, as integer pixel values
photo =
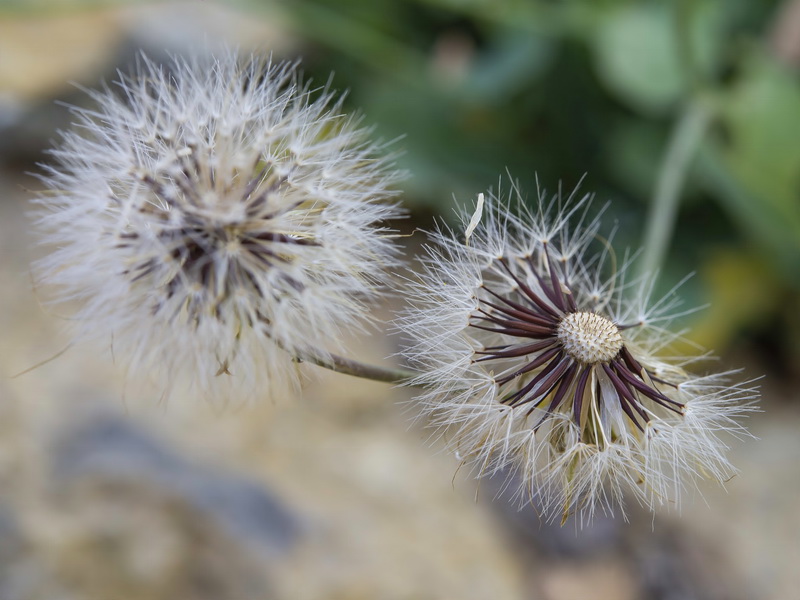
(332, 495)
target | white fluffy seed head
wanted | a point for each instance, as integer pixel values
(215, 218)
(540, 360)
(589, 338)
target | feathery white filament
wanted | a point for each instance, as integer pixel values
(213, 219)
(540, 364)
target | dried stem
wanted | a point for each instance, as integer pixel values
(348, 366)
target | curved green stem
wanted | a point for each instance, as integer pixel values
(686, 137)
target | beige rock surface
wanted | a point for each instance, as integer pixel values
(44, 48)
(378, 514)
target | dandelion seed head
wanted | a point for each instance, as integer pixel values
(214, 219)
(541, 358)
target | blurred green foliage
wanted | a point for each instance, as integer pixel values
(552, 90)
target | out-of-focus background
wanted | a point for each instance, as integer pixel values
(334, 495)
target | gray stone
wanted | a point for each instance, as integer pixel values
(114, 450)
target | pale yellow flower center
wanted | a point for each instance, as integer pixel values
(589, 338)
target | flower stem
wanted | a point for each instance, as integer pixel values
(356, 368)
(686, 136)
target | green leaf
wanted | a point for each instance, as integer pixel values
(762, 114)
(756, 170)
(515, 59)
(649, 54)
(637, 56)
